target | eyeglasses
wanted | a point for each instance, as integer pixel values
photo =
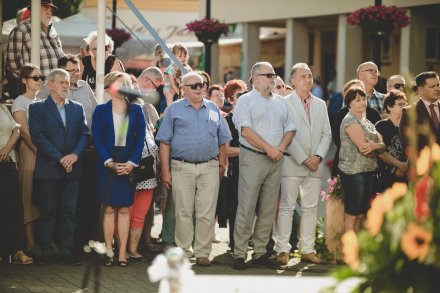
(149, 79)
(402, 104)
(280, 86)
(372, 71)
(107, 47)
(37, 77)
(267, 75)
(399, 86)
(72, 71)
(205, 84)
(195, 86)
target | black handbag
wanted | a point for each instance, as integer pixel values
(145, 169)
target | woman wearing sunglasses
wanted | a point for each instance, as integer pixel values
(31, 81)
(88, 64)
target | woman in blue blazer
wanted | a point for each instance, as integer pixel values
(118, 130)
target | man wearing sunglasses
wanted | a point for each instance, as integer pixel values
(19, 45)
(302, 171)
(193, 138)
(396, 82)
(265, 126)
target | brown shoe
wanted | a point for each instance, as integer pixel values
(283, 258)
(312, 258)
(203, 262)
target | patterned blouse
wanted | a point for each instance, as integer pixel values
(351, 161)
(154, 150)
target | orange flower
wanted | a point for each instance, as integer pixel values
(350, 249)
(375, 214)
(423, 160)
(415, 242)
(435, 152)
(398, 190)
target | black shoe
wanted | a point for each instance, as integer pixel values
(261, 261)
(70, 260)
(239, 264)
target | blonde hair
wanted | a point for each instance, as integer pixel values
(93, 35)
(111, 77)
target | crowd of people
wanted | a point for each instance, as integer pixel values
(247, 156)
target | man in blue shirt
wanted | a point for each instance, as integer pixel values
(193, 137)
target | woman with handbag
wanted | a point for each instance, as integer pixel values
(145, 178)
(118, 131)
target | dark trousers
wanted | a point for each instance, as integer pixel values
(57, 199)
(88, 220)
(11, 210)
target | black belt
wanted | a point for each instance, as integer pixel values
(199, 162)
(260, 152)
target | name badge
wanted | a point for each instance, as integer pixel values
(213, 116)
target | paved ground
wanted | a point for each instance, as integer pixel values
(134, 278)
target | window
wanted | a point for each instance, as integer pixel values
(432, 52)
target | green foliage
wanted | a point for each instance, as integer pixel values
(67, 8)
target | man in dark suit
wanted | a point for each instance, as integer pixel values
(59, 130)
(425, 111)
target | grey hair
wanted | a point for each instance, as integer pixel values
(393, 77)
(93, 35)
(358, 70)
(257, 66)
(298, 66)
(57, 72)
(152, 72)
(189, 75)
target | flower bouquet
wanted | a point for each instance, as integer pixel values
(334, 225)
(208, 30)
(119, 36)
(399, 249)
(380, 20)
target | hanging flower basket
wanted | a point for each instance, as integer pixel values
(379, 21)
(208, 30)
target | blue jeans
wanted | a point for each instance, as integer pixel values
(57, 199)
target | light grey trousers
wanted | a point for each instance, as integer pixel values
(258, 183)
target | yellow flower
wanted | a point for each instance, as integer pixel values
(435, 152)
(375, 214)
(350, 249)
(422, 164)
(415, 242)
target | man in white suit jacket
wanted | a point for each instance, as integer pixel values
(302, 171)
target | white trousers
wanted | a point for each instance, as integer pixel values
(309, 188)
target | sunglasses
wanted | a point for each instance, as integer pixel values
(267, 75)
(278, 87)
(399, 86)
(195, 86)
(37, 77)
(240, 94)
(149, 79)
(372, 71)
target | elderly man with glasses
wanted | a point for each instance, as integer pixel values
(265, 126)
(369, 74)
(193, 138)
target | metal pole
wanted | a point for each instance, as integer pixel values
(114, 14)
(377, 46)
(35, 31)
(208, 45)
(100, 52)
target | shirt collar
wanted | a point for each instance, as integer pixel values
(256, 92)
(187, 104)
(66, 101)
(427, 104)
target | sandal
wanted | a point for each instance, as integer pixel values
(108, 261)
(123, 263)
(138, 257)
(20, 258)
